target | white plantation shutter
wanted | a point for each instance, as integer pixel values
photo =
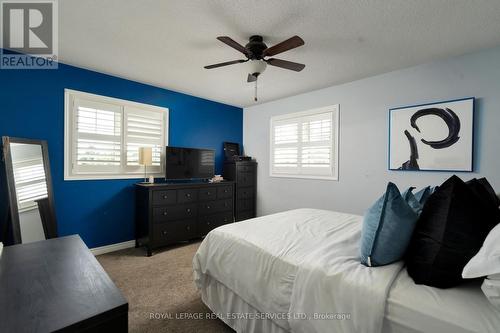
(29, 177)
(103, 137)
(316, 154)
(97, 141)
(143, 129)
(286, 146)
(304, 144)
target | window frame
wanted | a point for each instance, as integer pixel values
(70, 130)
(334, 109)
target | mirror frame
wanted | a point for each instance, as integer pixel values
(49, 222)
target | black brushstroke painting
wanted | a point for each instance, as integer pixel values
(452, 121)
(412, 163)
(450, 118)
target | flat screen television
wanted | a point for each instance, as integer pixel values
(189, 163)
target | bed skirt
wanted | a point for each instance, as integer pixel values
(234, 311)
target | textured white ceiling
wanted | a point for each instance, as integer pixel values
(167, 43)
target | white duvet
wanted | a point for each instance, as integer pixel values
(301, 268)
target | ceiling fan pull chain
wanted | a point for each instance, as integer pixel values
(255, 96)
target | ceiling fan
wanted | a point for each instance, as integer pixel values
(257, 55)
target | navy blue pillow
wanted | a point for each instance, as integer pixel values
(387, 228)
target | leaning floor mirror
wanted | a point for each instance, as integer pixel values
(27, 187)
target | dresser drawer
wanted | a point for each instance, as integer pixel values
(164, 197)
(244, 204)
(171, 213)
(213, 207)
(187, 195)
(224, 192)
(210, 222)
(206, 194)
(207, 208)
(166, 233)
(246, 192)
(245, 179)
(224, 205)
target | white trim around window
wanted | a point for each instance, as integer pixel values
(102, 136)
(305, 144)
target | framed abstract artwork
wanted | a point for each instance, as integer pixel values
(432, 137)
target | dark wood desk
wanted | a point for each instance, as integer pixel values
(58, 285)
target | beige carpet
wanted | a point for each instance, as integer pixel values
(161, 285)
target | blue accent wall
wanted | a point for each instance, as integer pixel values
(102, 211)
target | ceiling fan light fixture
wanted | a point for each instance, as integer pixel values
(256, 66)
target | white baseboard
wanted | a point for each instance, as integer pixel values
(112, 247)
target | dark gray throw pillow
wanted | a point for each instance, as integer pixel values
(484, 189)
(450, 231)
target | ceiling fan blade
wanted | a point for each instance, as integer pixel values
(225, 64)
(286, 64)
(235, 45)
(286, 45)
(251, 78)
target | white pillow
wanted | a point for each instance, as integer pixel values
(491, 289)
(487, 260)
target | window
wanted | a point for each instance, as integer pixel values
(103, 136)
(305, 144)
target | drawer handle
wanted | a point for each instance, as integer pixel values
(188, 228)
(165, 196)
(208, 207)
(225, 191)
(188, 195)
(165, 213)
(188, 210)
(164, 232)
(208, 193)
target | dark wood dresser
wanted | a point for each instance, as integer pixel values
(244, 174)
(169, 213)
(58, 285)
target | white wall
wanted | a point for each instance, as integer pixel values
(364, 110)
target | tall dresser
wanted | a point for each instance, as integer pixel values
(169, 213)
(244, 174)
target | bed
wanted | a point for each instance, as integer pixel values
(298, 271)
